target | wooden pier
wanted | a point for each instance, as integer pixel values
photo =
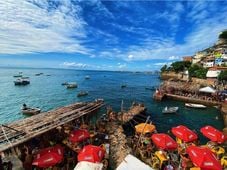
(119, 147)
(20, 131)
(193, 100)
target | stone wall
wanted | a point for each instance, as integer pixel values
(173, 75)
(202, 82)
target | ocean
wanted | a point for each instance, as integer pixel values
(46, 92)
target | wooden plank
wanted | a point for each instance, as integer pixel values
(45, 122)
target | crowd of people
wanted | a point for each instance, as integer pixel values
(22, 157)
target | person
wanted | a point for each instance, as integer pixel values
(25, 107)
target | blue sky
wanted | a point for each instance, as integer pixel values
(106, 35)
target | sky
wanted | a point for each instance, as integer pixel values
(106, 35)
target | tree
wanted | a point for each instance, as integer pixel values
(223, 35)
(197, 71)
(164, 68)
(222, 76)
(180, 65)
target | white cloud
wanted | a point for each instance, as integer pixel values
(73, 65)
(163, 63)
(173, 58)
(121, 66)
(130, 57)
(29, 27)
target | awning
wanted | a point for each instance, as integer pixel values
(207, 90)
(132, 163)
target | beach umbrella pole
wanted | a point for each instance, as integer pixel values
(142, 133)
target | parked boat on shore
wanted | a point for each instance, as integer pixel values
(22, 81)
(170, 110)
(198, 106)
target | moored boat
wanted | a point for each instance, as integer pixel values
(192, 105)
(65, 83)
(82, 93)
(153, 88)
(71, 85)
(18, 75)
(87, 77)
(29, 110)
(22, 81)
(170, 110)
(123, 85)
(38, 74)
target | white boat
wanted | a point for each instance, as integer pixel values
(170, 109)
(82, 93)
(71, 85)
(18, 75)
(22, 81)
(192, 105)
(30, 111)
(87, 77)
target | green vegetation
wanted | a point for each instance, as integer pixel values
(177, 66)
(223, 35)
(197, 71)
(194, 70)
(223, 76)
(164, 68)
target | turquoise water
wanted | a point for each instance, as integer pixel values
(47, 93)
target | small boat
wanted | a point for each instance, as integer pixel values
(18, 75)
(170, 109)
(87, 77)
(65, 83)
(71, 85)
(123, 85)
(151, 88)
(22, 81)
(82, 93)
(29, 110)
(198, 106)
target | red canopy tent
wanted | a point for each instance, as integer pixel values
(185, 134)
(203, 158)
(49, 157)
(213, 134)
(164, 141)
(79, 135)
(91, 153)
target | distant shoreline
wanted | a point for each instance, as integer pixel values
(125, 71)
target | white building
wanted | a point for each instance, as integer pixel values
(213, 73)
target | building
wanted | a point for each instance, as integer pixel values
(198, 57)
(187, 58)
(208, 62)
(212, 75)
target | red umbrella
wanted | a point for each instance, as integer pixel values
(79, 135)
(183, 133)
(213, 134)
(49, 157)
(203, 158)
(164, 141)
(91, 153)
